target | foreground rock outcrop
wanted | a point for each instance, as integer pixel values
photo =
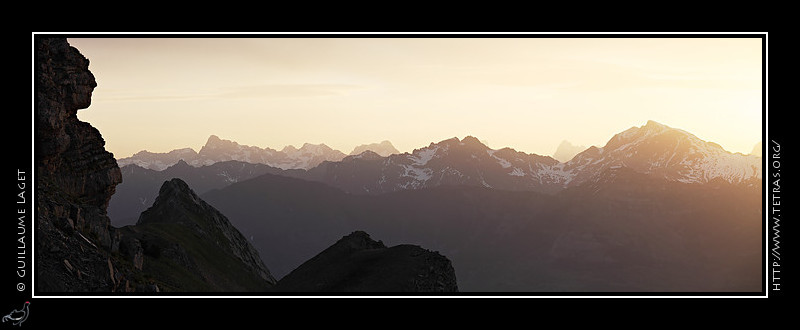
(357, 263)
(76, 176)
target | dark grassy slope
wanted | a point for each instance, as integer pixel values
(189, 246)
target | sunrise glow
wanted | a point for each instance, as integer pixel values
(527, 93)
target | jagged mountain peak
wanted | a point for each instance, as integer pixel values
(181, 164)
(213, 139)
(472, 141)
(454, 142)
(384, 148)
(650, 131)
(215, 142)
(566, 150)
(447, 141)
(142, 153)
(652, 124)
(174, 197)
(358, 240)
(668, 152)
(177, 209)
(177, 152)
(174, 186)
(315, 148)
(366, 155)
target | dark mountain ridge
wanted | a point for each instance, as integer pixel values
(623, 231)
(180, 229)
(141, 185)
(357, 263)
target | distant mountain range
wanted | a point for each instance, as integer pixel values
(566, 151)
(655, 149)
(219, 150)
(652, 148)
(383, 149)
(630, 216)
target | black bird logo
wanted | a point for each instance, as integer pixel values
(18, 315)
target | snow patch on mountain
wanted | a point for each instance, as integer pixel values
(416, 173)
(504, 163)
(423, 156)
(517, 172)
(228, 178)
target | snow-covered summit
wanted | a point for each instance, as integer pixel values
(671, 153)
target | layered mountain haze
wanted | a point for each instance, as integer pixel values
(219, 150)
(159, 161)
(624, 231)
(655, 209)
(632, 211)
(566, 151)
(140, 187)
(653, 149)
(383, 149)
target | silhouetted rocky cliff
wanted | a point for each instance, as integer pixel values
(75, 177)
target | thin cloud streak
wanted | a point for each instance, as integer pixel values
(241, 92)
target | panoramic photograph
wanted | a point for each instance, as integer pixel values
(380, 165)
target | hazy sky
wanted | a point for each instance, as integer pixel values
(526, 93)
